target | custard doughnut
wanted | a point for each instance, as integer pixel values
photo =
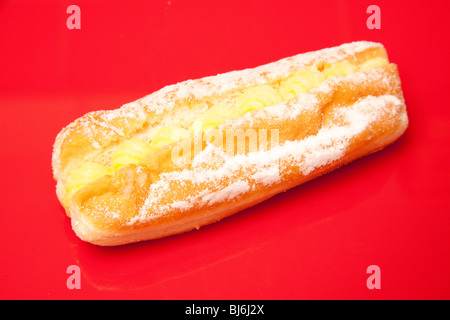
(198, 151)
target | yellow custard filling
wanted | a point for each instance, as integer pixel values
(254, 98)
(130, 151)
(85, 173)
(301, 81)
(214, 116)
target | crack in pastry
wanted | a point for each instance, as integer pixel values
(198, 151)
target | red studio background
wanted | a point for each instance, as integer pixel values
(316, 241)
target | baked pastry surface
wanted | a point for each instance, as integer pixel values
(195, 152)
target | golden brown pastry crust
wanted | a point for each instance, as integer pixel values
(339, 121)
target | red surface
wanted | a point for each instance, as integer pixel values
(389, 209)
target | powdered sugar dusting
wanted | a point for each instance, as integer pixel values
(219, 84)
(267, 176)
(244, 172)
(166, 98)
(228, 193)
